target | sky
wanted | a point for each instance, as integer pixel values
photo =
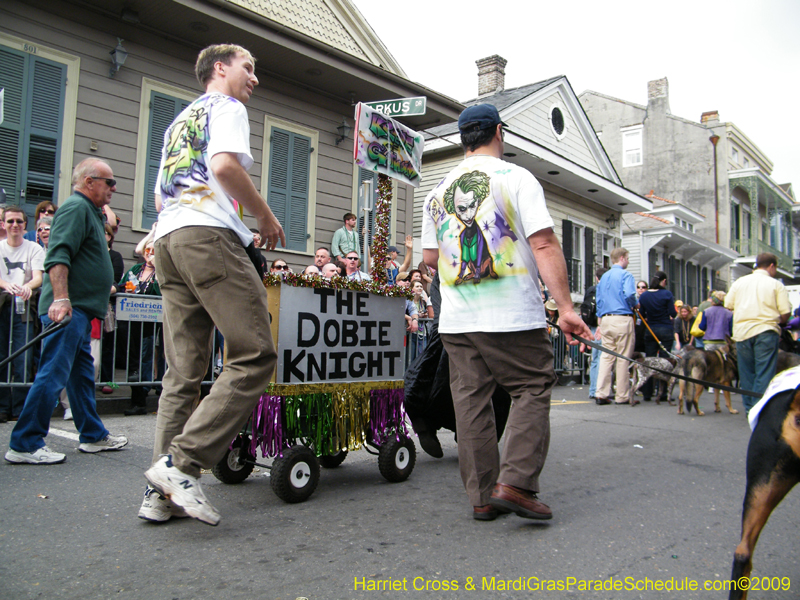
(741, 58)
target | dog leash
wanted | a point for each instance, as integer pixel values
(710, 384)
(653, 333)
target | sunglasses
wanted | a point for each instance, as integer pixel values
(49, 211)
(41, 229)
(351, 258)
(109, 182)
(641, 287)
(281, 267)
(17, 221)
(149, 251)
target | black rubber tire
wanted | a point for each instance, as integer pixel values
(396, 459)
(229, 470)
(332, 461)
(295, 476)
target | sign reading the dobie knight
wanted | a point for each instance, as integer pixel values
(385, 146)
(131, 307)
(339, 335)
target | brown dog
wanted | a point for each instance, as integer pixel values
(715, 366)
(773, 468)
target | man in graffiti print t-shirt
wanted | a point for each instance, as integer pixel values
(208, 280)
(487, 229)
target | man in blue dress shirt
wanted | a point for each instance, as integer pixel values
(616, 297)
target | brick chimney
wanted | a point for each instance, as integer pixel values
(491, 74)
(658, 94)
(710, 117)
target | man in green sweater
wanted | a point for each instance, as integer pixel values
(77, 284)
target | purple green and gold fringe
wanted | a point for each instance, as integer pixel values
(327, 417)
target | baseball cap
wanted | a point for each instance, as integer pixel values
(479, 116)
(392, 249)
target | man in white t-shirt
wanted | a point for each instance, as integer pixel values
(207, 279)
(20, 274)
(487, 229)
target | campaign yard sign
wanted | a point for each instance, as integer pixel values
(335, 336)
(131, 307)
(385, 146)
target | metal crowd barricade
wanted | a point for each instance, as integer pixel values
(412, 339)
(143, 316)
(569, 360)
(10, 377)
(138, 334)
(144, 312)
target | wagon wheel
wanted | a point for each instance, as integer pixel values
(396, 459)
(295, 475)
(232, 468)
(331, 461)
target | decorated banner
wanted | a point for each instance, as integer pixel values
(329, 336)
(387, 147)
(132, 307)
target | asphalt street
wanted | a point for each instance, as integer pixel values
(638, 493)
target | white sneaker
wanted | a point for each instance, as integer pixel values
(157, 509)
(43, 456)
(110, 442)
(182, 489)
(68, 414)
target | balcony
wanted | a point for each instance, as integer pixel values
(753, 248)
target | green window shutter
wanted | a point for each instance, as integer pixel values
(163, 111)
(47, 90)
(589, 257)
(366, 175)
(278, 185)
(288, 184)
(567, 245)
(297, 234)
(30, 135)
(12, 75)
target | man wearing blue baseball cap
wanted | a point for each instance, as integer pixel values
(487, 229)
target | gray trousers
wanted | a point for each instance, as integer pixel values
(522, 362)
(207, 279)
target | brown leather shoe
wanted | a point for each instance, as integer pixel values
(522, 502)
(484, 513)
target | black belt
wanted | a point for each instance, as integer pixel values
(618, 315)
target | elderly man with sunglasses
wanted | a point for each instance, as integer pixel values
(77, 284)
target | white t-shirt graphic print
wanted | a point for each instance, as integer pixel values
(481, 233)
(190, 194)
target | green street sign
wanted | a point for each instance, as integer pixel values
(401, 107)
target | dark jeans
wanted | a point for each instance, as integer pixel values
(12, 399)
(66, 362)
(757, 359)
(666, 335)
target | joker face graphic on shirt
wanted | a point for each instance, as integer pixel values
(462, 199)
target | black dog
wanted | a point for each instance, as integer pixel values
(773, 468)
